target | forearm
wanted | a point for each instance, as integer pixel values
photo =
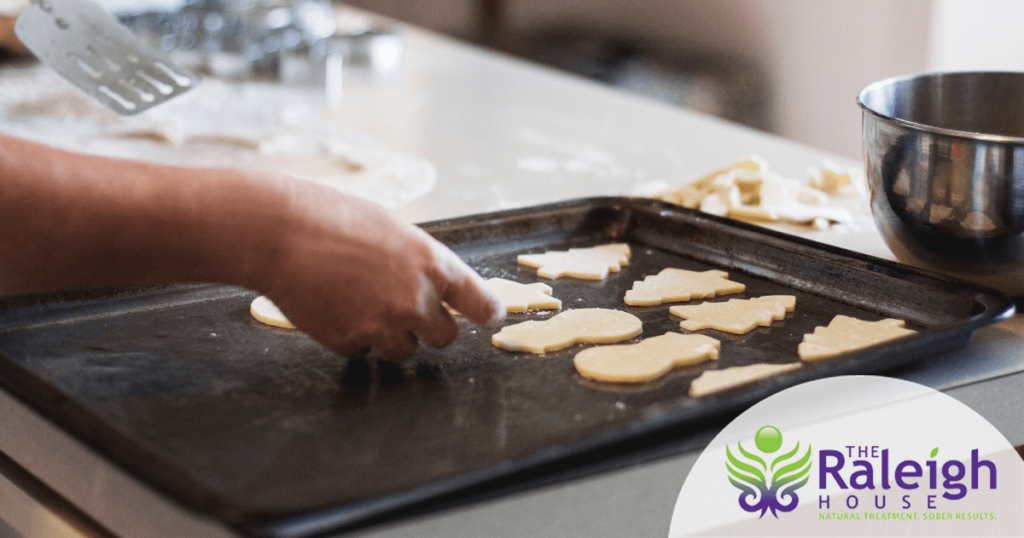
(343, 269)
(69, 220)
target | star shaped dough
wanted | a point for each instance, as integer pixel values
(674, 285)
(522, 297)
(848, 334)
(737, 316)
(588, 263)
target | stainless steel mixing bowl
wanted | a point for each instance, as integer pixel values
(945, 167)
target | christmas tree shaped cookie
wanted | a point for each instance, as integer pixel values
(712, 381)
(673, 285)
(848, 334)
(588, 263)
(737, 316)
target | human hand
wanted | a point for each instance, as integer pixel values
(341, 268)
(351, 276)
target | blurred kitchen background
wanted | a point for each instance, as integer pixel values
(792, 67)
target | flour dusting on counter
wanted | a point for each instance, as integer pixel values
(253, 125)
(574, 157)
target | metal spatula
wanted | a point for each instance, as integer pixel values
(88, 47)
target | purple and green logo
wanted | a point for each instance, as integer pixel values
(768, 486)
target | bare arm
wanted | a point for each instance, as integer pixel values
(341, 268)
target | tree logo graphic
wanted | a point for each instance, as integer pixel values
(751, 472)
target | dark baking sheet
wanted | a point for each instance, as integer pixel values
(269, 432)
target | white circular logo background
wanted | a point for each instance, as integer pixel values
(855, 456)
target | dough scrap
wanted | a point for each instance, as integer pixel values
(737, 316)
(747, 190)
(582, 326)
(674, 285)
(588, 263)
(522, 297)
(712, 381)
(166, 136)
(835, 180)
(691, 194)
(845, 334)
(647, 360)
(264, 310)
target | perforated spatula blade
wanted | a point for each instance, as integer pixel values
(88, 47)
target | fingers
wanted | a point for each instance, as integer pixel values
(434, 325)
(392, 299)
(436, 328)
(466, 292)
(431, 324)
(396, 345)
(397, 336)
(478, 302)
(439, 327)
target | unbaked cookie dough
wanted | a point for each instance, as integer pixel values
(737, 316)
(692, 194)
(712, 381)
(650, 359)
(748, 190)
(582, 326)
(674, 285)
(523, 297)
(587, 263)
(848, 334)
(264, 310)
(833, 179)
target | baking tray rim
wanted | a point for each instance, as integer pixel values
(997, 307)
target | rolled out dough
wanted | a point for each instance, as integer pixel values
(737, 316)
(845, 334)
(650, 359)
(582, 326)
(674, 285)
(587, 263)
(712, 381)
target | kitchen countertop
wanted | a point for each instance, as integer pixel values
(504, 133)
